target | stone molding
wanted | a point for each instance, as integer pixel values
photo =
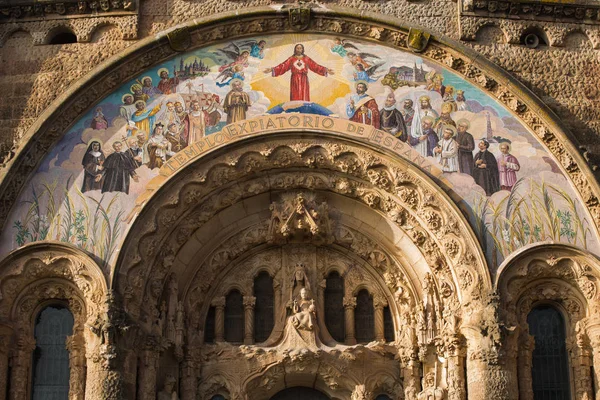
(20, 162)
(389, 186)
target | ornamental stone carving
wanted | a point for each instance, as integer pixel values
(298, 217)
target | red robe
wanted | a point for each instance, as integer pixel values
(168, 86)
(367, 112)
(299, 87)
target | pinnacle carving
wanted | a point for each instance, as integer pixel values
(298, 217)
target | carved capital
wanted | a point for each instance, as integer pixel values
(249, 302)
(379, 302)
(350, 302)
(218, 302)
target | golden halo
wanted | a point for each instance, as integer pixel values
(161, 70)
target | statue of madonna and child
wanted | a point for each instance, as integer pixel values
(301, 329)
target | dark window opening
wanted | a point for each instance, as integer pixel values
(334, 306)
(51, 370)
(549, 367)
(234, 317)
(364, 317)
(64, 37)
(388, 325)
(209, 326)
(264, 315)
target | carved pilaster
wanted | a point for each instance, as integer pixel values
(526, 346)
(76, 347)
(582, 363)
(456, 376)
(189, 379)
(595, 342)
(412, 383)
(148, 368)
(219, 304)
(4, 348)
(249, 303)
(349, 306)
(488, 377)
(21, 362)
(379, 303)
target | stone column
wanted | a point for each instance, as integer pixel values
(4, 350)
(76, 348)
(582, 363)
(249, 303)
(219, 304)
(21, 367)
(526, 346)
(412, 382)
(488, 376)
(189, 379)
(456, 369)
(379, 303)
(349, 305)
(148, 369)
(595, 342)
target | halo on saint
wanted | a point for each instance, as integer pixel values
(450, 128)
(236, 80)
(160, 71)
(126, 95)
(146, 77)
(463, 121)
(363, 82)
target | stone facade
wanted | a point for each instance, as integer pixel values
(299, 205)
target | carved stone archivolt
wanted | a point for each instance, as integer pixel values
(369, 218)
(19, 162)
(49, 273)
(402, 197)
(566, 278)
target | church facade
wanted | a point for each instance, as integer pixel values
(363, 201)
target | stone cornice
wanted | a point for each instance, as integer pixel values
(583, 12)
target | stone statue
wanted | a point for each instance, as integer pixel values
(299, 281)
(301, 330)
(169, 392)
(304, 317)
(430, 391)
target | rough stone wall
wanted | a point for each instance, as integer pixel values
(566, 78)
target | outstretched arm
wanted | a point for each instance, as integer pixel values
(281, 68)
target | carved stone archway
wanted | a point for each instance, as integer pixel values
(49, 273)
(567, 278)
(215, 211)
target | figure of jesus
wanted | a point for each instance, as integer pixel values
(299, 64)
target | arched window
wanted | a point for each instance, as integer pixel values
(51, 357)
(217, 397)
(334, 306)
(62, 36)
(549, 367)
(388, 325)
(234, 317)
(364, 319)
(209, 326)
(300, 393)
(264, 317)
